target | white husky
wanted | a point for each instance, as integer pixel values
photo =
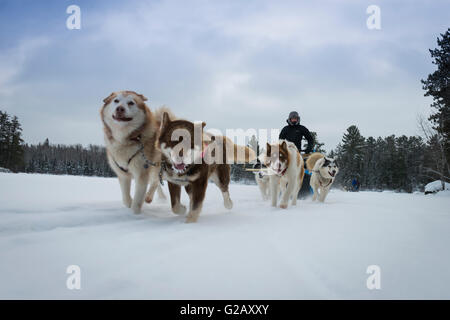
(286, 171)
(263, 180)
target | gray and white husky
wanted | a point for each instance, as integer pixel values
(324, 171)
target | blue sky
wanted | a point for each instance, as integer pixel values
(233, 64)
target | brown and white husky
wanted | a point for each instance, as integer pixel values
(131, 130)
(286, 171)
(190, 157)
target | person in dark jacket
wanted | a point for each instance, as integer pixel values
(295, 132)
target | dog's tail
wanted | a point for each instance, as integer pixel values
(237, 153)
(312, 159)
(243, 154)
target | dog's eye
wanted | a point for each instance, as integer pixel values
(130, 103)
(116, 100)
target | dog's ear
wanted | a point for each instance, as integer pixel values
(109, 98)
(268, 149)
(143, 98)
(326, 162)
(165, 120)
(284, 145)
(203, 124)
(335, 162)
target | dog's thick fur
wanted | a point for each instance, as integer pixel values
(130, 126)
(324, 171)
(286, 171)
(263, 182)
(186, 169)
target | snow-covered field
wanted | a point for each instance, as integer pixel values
(251, 252)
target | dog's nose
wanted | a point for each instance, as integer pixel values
(120, 110)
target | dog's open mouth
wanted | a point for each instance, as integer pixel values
(179, 167)
(331, 173)
(121, 118)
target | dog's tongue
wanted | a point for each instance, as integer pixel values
(180, 166)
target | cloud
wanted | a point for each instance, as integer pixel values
(13, 62)
(231, 63)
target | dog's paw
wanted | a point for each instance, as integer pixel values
(228, 204)
(191, 219)
(127, 202)
(179, 209)
(283, 206)
(148, 199)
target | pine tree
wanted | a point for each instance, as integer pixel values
(437, 85)
(350, 154)
(318, 146)
(16, 146)
(11, 143)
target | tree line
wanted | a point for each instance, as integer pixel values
(394, 163)
(47, 158)
(63, 159)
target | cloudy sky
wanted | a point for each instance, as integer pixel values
(233, 64)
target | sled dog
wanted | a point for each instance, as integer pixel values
(262, 180)
(130, 132)
(286, 171)
(187, 162)
(324, 171)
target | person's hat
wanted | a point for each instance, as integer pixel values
(293, 114)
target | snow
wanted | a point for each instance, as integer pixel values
(436, 186)
(313, 250)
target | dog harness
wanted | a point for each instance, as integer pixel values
(147, 162)
(322, 178)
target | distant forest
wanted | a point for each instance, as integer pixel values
(395, 163)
